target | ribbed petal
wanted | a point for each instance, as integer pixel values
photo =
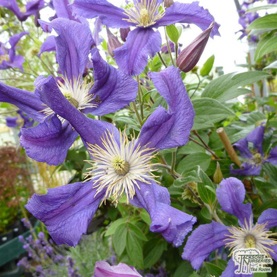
(204, 240)
(90, 130)
(141, 43)
(171, 128)
(66, 210)
(49, 141)
(272, 158)
(103, 269)
(48, 45)
(256, 137)
(230, 195)
(230, 271)
(112, 89)
(173, 224)
(72, 49)
(63, 9)
(26, 101)
(269, 217)
(109, 14)
(188, 13)
(247, 169)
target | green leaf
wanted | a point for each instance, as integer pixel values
(134, 250)
(227, 87)
(114, 225)
(191, 161)
(271, 172)
(209, 111)
(206, 188)
(267, 22)
(173, 33)
(191, 176)
(217, 269)
(153, 252)
(272, 65)
(119, 239)
(137, 231)
(265, 46)
(207, 66)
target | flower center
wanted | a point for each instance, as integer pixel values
(119, 166)
(3, 58)
(77, 92)
(250, 241)
(144, 13)
(257, 158)
(250, 236)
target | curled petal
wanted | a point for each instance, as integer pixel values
(268, 217)
(230, 270)
(103, 269)
(188, 13)
(170, 222)
(204, 240)
(72, 50)
(230, 195)
(167, 129)
(132, 57)
(112, 89)
(66, 210)
(109, 14)
(48, 45)
(49, 141)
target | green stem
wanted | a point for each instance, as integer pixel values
(168, 48)
(162, 60)
(137, 113)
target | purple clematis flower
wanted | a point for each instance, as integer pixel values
(50, 140)
(103, 269)
(251, 149)
(120, 166)
(209, 237)
(145, 15)
(32, 8)
(8, 57)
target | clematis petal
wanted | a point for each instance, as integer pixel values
(247, 169)
(15, 38)
(172, 223)
(242, 147)
(66, 210)
(12, 6)
(113, 89)
(230, 195)
(103, 269)
(132, 57)
(268, 217)
(90, 130)
(204, 240)
(167, 129)
(188, 13)
(72, 50)
(49, 141)
(272, 158)
(256, 137)
(63, 9)
(109, 14)
(26, 101)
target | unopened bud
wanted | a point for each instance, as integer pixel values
(124, 33)
(190, 56)
(113, 42)
(218, 176)
(168, 3)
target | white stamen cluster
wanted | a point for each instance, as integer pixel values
(144, 13)
(119, 166)
(250, 236)
(77, 93)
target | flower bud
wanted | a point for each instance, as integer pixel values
(124, 33)
(113, 42)
(218, 176)
(168, 3)
(190, 56)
